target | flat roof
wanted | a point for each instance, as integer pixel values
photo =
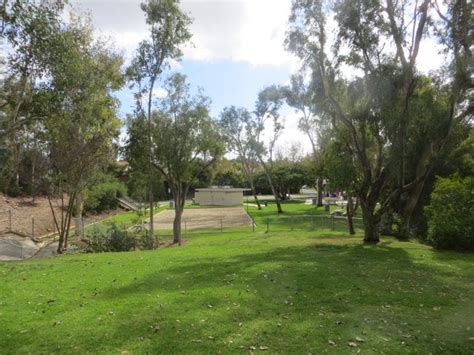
(223, 189)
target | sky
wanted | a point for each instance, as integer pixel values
(237, 50)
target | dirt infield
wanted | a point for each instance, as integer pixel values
(197, 218)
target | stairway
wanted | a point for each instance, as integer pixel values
(128, 204)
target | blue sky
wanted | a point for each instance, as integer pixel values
(225, 82)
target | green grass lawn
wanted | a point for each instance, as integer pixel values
(300, 292)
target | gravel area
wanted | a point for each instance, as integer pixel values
(195, 218)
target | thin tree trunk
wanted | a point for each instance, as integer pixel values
(69, 213)
(350, 214)
(275, 194)
(150, 158)
(272, 187)
(79, 230)
(151, 230)
(254, 192)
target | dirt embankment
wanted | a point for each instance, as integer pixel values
(25, 210)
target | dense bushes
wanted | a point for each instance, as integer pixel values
(114, 238)
(103, 196)
(451, 214)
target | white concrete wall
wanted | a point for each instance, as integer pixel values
(218, 198)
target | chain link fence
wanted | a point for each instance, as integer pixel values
(310, 223)
(7, 224)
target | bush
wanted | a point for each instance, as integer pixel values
(103, 196)
(114, 238)
(451, 214)
(110, 238)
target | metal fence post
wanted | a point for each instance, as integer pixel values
(222, 226)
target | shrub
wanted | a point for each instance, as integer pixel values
(110, 238)
(451, 214)
(103, 196)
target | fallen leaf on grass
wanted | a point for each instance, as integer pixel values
(331, 343)
(352, 344)
(263, 348)
(155, 328)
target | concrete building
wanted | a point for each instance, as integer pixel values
(219, 196)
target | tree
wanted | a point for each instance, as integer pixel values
(267, 106)
(288, 178)
(30, 29)
(235, 124)
(301, 97)
(343, 174)
(81, 115)
(374, 105)
(185, 141)
(168, 26)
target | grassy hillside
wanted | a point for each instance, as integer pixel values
(304, 292)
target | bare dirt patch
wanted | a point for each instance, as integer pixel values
(23, 210)
(199, 218)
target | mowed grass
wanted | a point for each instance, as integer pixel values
(299, 292)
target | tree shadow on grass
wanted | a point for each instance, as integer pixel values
(290, 286)
(289, 299)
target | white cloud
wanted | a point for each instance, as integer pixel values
(160, 93)
(250, 31)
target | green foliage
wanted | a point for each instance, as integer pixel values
(110, 238)
(287, 178)
(103, 196)
(451, 214)
(229, 177)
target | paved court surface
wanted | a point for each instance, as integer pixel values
(195, 218)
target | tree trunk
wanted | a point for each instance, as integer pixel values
(371, 232)
(151, 230)
(178, 212)
(350, 214)
(180, 198)
(412, 202)
(254, 192)
(78, 223)
(272, 187)
(319, 188)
